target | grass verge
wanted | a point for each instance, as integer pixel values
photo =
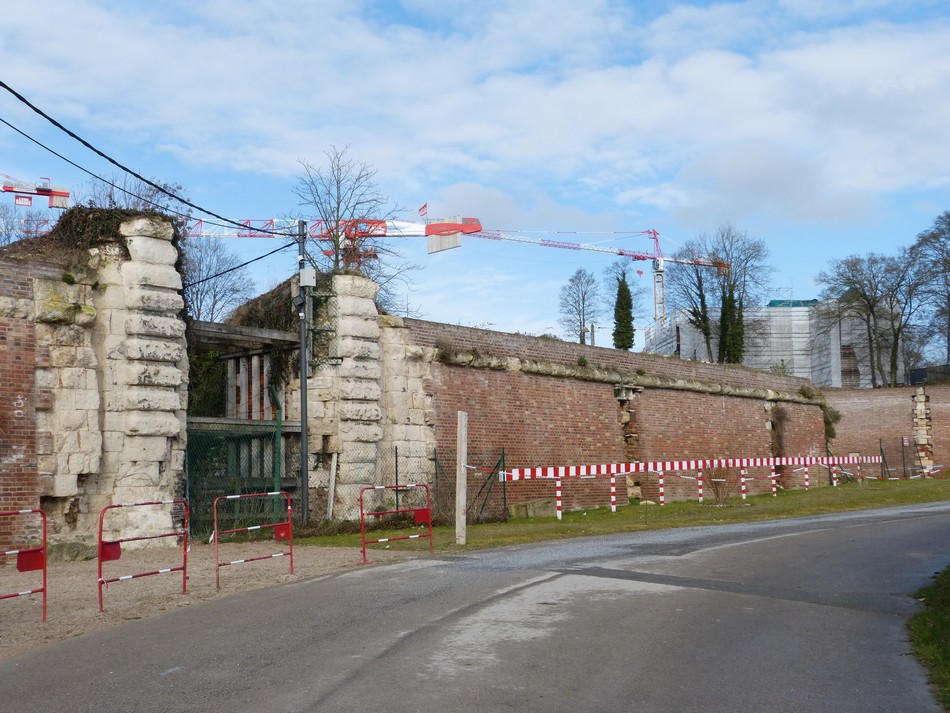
(821, 499)
(930, 635)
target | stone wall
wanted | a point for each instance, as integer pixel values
(548, 402)
(99, 385)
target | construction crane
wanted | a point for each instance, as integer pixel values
(351, 233)
(437, 243)
(445, 235)
(24, 192)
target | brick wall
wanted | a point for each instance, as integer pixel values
(543, 420)
(870, 418)
(553, 350)
(940, 413)
(19, 397)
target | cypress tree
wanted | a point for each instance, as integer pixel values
(623, 316)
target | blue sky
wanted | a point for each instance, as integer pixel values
(819, 127)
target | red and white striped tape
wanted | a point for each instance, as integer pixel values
(580, 471)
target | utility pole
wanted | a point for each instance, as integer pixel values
(305, 277)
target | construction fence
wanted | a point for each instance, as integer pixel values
(228, 457)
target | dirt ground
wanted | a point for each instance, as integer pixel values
(72, 591)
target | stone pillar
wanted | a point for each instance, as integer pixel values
(348, 421)
(143, 372)
(923, 428)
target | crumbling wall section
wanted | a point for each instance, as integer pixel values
(94, 376)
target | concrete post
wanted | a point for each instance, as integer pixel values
(461, 458)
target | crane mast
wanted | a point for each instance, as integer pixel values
(659, 261)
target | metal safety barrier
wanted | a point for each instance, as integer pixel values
(420, 516)
(111, 550)
(29, 559)
(283, 530)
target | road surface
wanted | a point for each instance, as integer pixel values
(798, 615)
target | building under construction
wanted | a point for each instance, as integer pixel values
(786, 336)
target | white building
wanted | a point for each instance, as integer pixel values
(786, 336)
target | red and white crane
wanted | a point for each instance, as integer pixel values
(659, 268)
(445, 235)
(24, 192)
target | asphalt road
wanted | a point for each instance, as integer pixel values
(792, 616)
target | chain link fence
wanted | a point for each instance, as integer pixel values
(900, 457)
(241, 457)
(238, 457)
(486, 497)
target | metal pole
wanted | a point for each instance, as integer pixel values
(304, 446)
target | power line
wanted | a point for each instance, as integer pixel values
(115, 163)
(157, 205)
(238, 267)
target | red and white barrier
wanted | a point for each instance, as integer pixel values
(110, 550)
(660, 468)
(576, 471)
(29, 559)
(420, 516)
(283, 530)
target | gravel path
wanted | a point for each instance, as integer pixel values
(73, 603)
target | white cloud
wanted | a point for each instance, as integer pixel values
(537, 112)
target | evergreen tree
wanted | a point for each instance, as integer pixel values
(624, 332)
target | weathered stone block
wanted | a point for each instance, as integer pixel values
(153, 350)
(145, 448)
(86, 399)
(73, 420)
(359, 389)
(15, 308)
(360, 411)
(145, 275)
(153, 325)
(352, 431)
(359, 369)
(151, 423)
(147, 227)
(146, 399)
(138, 474)
(358, 327)
(153, 300)
(145, 374)
(151, 250)
(354, 286)
(64, 486)
(357, 348)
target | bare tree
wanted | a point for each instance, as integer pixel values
(931, 252)
(16, 225)
(346, 202)
(702, 291)
(348, 214)
(580, 304)
(215, 281)
(884, 294)
(903, 291)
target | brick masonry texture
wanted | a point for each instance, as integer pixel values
(19, 399)
(871, 418)
(542, 420)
